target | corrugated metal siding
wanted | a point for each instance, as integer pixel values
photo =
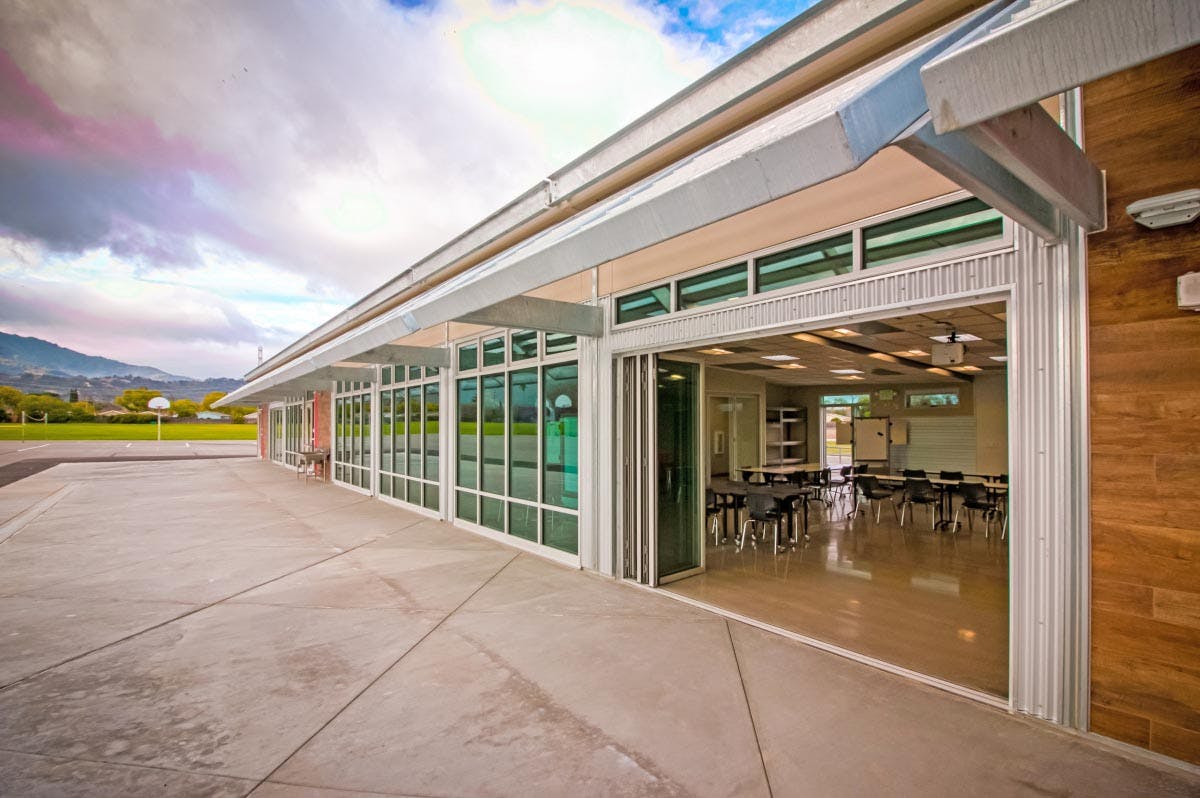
(871, 292)
(937, 444)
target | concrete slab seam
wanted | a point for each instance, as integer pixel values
(749, 710)
(135, 765)
(25, 517)
(384, 672)
(181, 616)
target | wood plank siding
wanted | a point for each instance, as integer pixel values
(1142, 126)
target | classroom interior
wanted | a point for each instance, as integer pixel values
(839, 425)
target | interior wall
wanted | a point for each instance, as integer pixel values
(986, 399)
(991, 423)
(1140, 127)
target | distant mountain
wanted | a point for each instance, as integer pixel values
(33, 365)
(102, 390)
(20, 354)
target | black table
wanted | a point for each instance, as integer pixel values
(788, 494)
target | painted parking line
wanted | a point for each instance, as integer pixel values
(128, 444)
(28, 448)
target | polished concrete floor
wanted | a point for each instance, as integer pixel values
(928, 601)
(215, 628)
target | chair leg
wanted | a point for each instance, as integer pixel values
(954, 523)
(903, 512)
(932, 518)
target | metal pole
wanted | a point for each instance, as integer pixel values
(159, 425)
(22, 426)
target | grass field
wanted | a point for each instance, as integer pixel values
(129, 432)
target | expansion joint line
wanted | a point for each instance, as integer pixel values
(749, 710)
(201, 608)
(385, 672)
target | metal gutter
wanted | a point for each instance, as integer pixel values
(818, 46)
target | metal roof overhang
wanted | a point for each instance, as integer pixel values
(1052, 47)
(828, 134)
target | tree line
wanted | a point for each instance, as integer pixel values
(51, 407)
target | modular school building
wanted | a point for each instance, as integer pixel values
(853, 339)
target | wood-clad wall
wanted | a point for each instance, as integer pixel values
(1143, 127)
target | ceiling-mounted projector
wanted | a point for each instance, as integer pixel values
(947, 354)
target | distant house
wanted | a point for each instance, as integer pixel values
(212, 415)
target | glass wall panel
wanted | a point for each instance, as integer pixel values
(356, 431)
(414, 372)
(432, 409)
(715, 286)
(560, 444)
(560, 531)
(803, 264)
(524, 345)
(644, 304)
(468, 357)
(523, 521)
(468, 433)
(466, 507)
(385, 432)
(365, 433)
(493, 352)
(491, 513)
(523, 434)
(492, 477)
(400, 429)
(413, 426)
(557, 343)
(431, 496)
(931, 232)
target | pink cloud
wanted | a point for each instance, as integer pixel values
(77, 182)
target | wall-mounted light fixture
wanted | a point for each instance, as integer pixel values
(1166, 210)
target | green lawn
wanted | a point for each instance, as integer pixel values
(129, 432)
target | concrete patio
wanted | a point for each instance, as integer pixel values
(214, 627)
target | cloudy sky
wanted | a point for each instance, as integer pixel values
(181, 182)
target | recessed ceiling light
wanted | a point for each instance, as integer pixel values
(790, 366)
(779, 357)
(940, 372)
(809, 338)
(1001, 358)
(958, 338)
(716, 350)
(967, 368)
(886, 358)
(839, 332)
(911, 353)
(845, 371)
(675, 377)
(851, 378)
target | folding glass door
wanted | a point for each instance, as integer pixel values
(660, 500)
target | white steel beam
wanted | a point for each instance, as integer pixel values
(1030, 144)
(1052, 47)
(345, 373)
(956, 157)
(392, 354)
(527, 312)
